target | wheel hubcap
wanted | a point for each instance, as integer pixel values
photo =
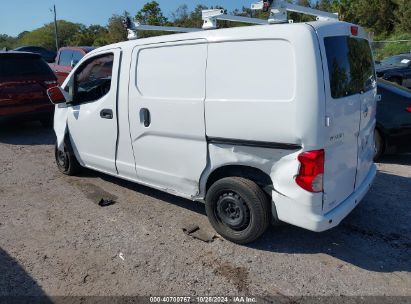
(232, 211)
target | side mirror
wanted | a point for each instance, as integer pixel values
(56, 95)
(73, 63)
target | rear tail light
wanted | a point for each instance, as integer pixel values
(311, 173)
(408, 109)
(354, 30)
(51, 84)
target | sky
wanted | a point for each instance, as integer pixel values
(17, 16)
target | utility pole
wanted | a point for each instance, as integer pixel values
(55, 28)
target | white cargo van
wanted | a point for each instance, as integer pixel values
(262, 123)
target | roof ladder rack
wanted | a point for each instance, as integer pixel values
(134, 27)
(278, 14)
(210, 18)
(279, 10)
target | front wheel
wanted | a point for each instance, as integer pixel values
(66, 161)
(238, 210)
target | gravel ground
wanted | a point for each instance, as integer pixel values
(56, 240)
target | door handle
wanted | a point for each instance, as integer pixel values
(365, 112)
(146, 117)
(106, 114)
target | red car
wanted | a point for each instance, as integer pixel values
(67, 58)
(24, 80)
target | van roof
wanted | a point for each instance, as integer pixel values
(231, 33)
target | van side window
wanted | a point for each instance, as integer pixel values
(92, 79)
(350, 65)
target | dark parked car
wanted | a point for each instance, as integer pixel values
(24, 80)
(67, 58)
(393, 130)
(49, 56)
(396, 69)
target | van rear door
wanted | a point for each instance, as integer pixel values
(350, 89)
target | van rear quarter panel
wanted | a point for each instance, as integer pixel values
(266, 86)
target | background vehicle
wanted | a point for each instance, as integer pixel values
(24, 80)
(66, 59)
(396, 69)
(393, 131)
(48, 56)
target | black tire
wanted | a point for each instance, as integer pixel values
(379, 145)
(238, 209)
(66, 160)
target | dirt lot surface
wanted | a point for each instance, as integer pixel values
(56, 240)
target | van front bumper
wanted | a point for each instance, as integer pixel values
(296, 214)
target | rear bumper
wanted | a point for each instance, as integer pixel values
(300, 216)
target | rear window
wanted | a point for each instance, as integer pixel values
(65, 57)
(350, 65)
(15, 66)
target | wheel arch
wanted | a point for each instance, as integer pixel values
(72, 147)
(258, 176)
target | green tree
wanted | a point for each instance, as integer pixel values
(94, 35)
(375, 15)
(196, 17)
(331, 6)
(44, 36)
(151, 14)
(116, 32)
(7, 42)
(181, 16)
(403, 15)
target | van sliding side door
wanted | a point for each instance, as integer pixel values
(166, 114)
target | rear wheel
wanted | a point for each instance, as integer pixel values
(378, 145)
(238, 210)
(66, 161)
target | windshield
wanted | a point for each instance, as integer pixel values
(350, 65)
(398, 61)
